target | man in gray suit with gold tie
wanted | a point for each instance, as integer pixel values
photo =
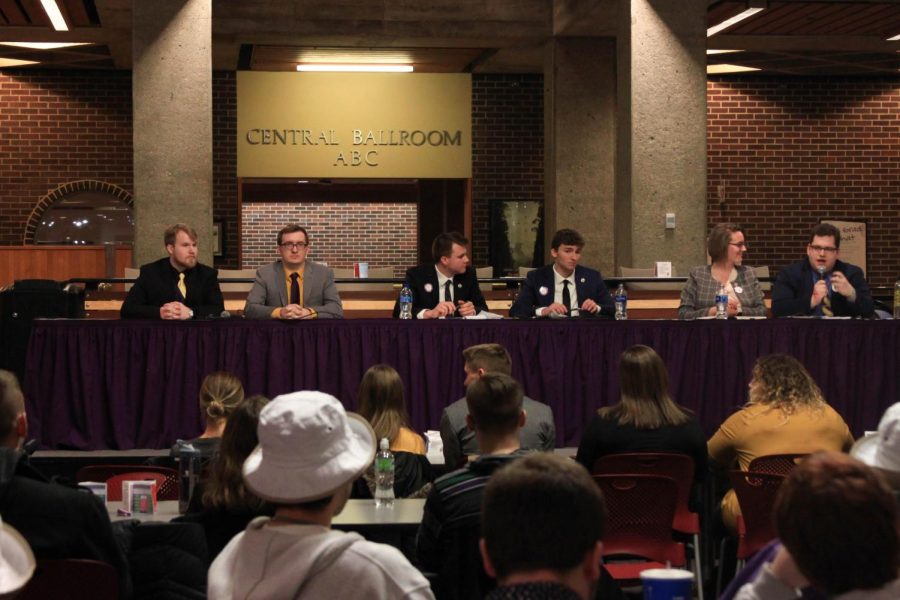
(293, 287)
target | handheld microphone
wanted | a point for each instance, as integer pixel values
(821, 270)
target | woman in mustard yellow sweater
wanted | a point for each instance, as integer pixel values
(786, 414)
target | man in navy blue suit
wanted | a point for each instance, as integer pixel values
(448, 287)
(563, 288)
(822, 285)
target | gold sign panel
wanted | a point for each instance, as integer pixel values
(354, 125)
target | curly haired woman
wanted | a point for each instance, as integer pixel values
(786, 414)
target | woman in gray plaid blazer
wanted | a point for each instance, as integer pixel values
(726, 248)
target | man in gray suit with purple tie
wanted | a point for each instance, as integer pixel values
(293, 287)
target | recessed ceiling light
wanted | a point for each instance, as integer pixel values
(355, 68)
(712, 51)
(45, 45)
(14, 62)
(752, 9)
(55, 15)
(720, 69)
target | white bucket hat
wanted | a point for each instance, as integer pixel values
(16, 560)
(882, 449)
(309, 446)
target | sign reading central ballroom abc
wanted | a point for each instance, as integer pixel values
(354, 125)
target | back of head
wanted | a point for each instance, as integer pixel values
(567, 237)
(838, 519)
(220, 393)
(644, 386)
(381, 402)
(12, 404)
(493, 358)
(781, 381)
(541, 512)
(718, 240)
(225, 488)
(443, 244)
(495, 403)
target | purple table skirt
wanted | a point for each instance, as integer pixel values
(133, 384)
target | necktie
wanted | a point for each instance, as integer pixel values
(826, 306)
(447, 295)
(566, 297)
(295, 289)
(181, 287)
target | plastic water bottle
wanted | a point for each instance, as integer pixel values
(621, 303)
(384, 476)
(721, 302)
(405, 302)
(897, 299)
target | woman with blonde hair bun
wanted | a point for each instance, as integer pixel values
(220, 393)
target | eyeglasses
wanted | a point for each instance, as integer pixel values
(294, 245)
(740, 245)
(825, 249)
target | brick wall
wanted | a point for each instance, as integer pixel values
(57, 128)
(507, 148)
(382, 234)
(788, 153)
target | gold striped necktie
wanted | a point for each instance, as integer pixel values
(181, 287)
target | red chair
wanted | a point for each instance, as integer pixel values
(775, 464)
(167, 489)
(641, 510)
(114, 484)
(72, 579)
(756, 494)
(679, 467)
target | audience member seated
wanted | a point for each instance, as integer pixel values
(381, 403)
(786, 414)
(726, 247)
(646, 419)
(543, 521)
(56, 521)
(539, 432)
(882, 450)
(822, 285)
(447, 542)
(310, 451)
(222, 503)
(220, 393)
(16, 561)
(837, 521)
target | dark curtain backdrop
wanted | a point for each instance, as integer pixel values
(125, 384)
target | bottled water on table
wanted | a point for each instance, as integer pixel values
(406, 301)
(721, 302)
(621, 303)
(384, 476)
(897, 299)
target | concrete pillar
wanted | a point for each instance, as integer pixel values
(661, 145)
(172, 94)
(579, 144)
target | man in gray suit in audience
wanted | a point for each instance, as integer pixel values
(538, 433)
(293, 287)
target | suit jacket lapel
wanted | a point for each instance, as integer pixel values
(310, 276)
(280, 284)
(435, 290)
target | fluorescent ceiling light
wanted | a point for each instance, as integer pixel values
(711, 51)
(55, 15)
(355, 68)
(720, 69)
(45, 45)
(14, 62)
(735, 19)
(894, 39)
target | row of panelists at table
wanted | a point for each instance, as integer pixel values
(294, 287)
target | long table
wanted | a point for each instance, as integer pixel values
(93, 384)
